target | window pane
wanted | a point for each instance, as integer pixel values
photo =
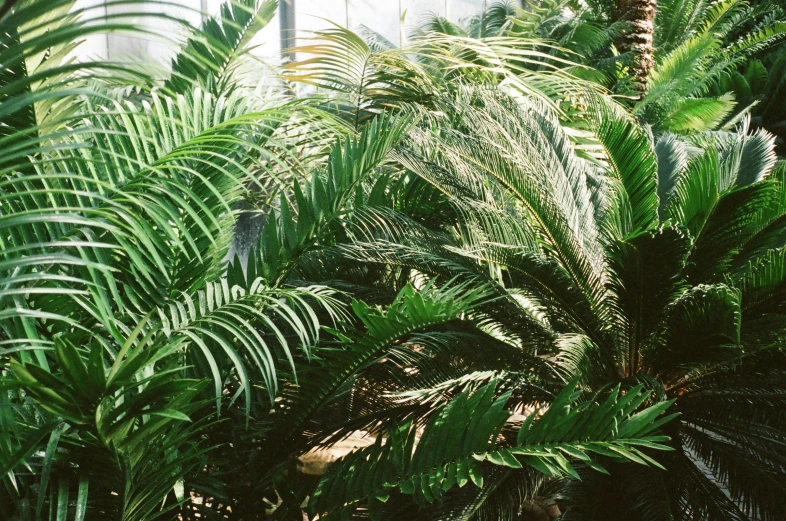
(460, 10)
(417, 10)
(381, 17)
(160, 49)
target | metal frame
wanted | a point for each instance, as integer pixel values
(286, 18)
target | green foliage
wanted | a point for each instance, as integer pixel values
(633, 162)
(758, 86)
(407, 314)
(116, 313)
(668, 227)
(463, 434)
(458, 250)
(324, 198)
(117, 432)
(699, 47)
(212, 51)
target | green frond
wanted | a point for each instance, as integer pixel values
(704, 327)
(632, 161)
(672, 155)
(491, 21)
(734, 219)
(120, 426)
(411, 311)
(236, 322)
(325, 197)
(339, 60)
(678, 74)
(464, 433)
(763, 283)
(698, 115)
(770, 222)
(677, 20)
(207, 57)
(512, 153)
(579, 358)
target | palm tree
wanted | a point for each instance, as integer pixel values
(120, 328)
(636, 39)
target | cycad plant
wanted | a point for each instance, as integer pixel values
(698, 45)
(760, 85)
(660, 269)
(620, 263)
(468, 257)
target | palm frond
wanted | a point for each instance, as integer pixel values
(450, 451)
(207, 57)
(325, 197)
(410, 312)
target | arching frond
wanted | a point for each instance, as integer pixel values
(452, 447)
(207, 58)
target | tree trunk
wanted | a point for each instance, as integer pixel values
(636, 38)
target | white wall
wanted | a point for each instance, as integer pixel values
(160, 44)
(381, 17)
(393, 19)
(95, 46)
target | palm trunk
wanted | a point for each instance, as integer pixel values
(636, 39)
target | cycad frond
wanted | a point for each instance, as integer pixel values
(324, 198)
(410, 312)
(450, 450)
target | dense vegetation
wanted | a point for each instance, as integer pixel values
(522, 267)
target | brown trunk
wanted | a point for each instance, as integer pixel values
(537, 510)
(636, 39)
